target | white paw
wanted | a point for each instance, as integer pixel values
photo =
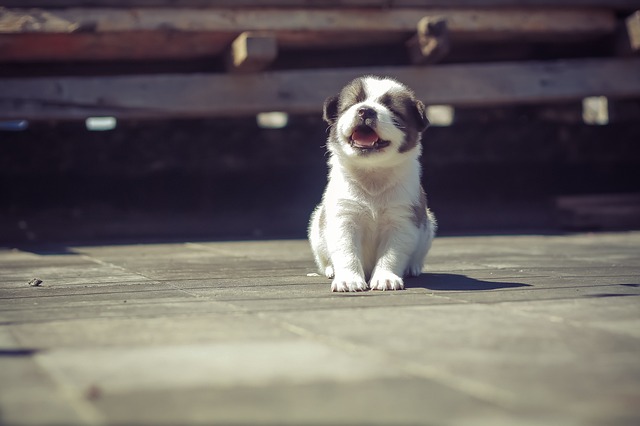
(385, 280)
(352, 284)
(328, 272)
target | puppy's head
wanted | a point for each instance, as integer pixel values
(375, 118)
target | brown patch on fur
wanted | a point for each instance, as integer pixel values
(420, 210)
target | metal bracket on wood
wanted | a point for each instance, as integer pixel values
(431, 42)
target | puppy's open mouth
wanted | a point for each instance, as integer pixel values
(365, 138)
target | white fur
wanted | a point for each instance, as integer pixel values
(370, 238)
(376, 87)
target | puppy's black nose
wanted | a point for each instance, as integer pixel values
(365, 112)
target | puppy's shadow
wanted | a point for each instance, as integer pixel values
(456, 282)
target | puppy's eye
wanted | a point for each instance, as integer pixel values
(396, 122)
(396, 114)
(397, 117)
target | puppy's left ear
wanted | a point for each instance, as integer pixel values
(421, 116)
(330, 110)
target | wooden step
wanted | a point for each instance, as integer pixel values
(303, 91)
(386, 4)
(164, 33)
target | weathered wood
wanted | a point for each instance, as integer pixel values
(431, 42)
(107, 33)
(162, 96)
(110, 20)
(252, 52)
(611, 4)
(599, 211)
(135, 45)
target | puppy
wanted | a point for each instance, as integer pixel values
(373, 226)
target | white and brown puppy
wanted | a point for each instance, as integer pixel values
(373, 226)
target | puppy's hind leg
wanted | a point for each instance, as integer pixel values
(426, 235)
(318, 242)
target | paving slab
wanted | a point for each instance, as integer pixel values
(525, 329)
(504, 353)
(392, 401)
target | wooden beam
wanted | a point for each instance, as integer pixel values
(599, 211)
(460, 20)
(99, 33)
(131, 46)
(252, 52)
(610, 4)
(200, 95)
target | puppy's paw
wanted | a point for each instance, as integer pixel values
(328, 272)
(385, 280)
(349, 284)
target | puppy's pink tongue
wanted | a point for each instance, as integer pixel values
(364, 137)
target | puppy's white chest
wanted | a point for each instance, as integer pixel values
(375, 224)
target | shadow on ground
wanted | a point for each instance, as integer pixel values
(456, 282)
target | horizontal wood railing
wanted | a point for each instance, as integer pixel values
(250, 37)
(201, 95)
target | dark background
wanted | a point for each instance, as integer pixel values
(494, 170)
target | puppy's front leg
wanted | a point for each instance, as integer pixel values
(394, 252)
(344, 243)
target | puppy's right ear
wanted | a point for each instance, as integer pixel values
(421, 116)
(330, 110)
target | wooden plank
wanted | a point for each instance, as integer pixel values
(163, 45)
(200, 95)
(129, 34)
(599, 211)
(611, 4)
(220, 20)
(134, 45)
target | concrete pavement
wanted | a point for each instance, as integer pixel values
(499, 330)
